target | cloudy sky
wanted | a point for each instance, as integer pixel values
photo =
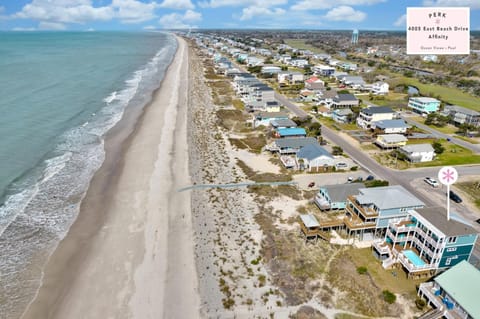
(172, 14)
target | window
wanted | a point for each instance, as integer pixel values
(452, 240)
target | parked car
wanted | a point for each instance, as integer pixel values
(350, 179)
(311, 184)
(370, 178)
(341, 165)
(432, 182)
(455, 197)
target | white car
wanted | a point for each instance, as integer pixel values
(430, 181)
(341, 165)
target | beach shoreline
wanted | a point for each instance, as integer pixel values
(130, 244)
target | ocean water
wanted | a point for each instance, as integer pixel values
(60, 92)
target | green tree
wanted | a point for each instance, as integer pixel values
(337, 150)
(438, 147)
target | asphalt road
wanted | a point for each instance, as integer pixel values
(405, 178)
(473, 147)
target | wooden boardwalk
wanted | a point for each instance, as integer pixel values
(233, 185)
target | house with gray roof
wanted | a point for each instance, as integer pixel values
(283, 123)
(334, 197)
(397, 126)
(454, 293)
(391, 141)
(426, 240)
(374, 114)
(460, 115)
(341, 101)
(369, 212)
(291, 145)
(417, 153)
(314, 156)
(342, 115)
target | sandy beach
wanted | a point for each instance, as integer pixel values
(130, 252)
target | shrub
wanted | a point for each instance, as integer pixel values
(354, 168)
(389, 297)
(362, 270)
(420, 303)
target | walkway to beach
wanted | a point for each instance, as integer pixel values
(235, 185)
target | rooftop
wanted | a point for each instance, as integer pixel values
(271, 115)
(377, 110)
(346, 97)
(340, 192)
(437, 216)
(312, 151)
(295, 142)
(417, 148)
(291, 131)
(283, 123)
(392, 138)
(424, 99)
(391, 124)
(388, 197)
(460, 109)
(309, 221)
(462, 282)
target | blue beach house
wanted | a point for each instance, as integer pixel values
(290, 132)
(454, 293)
(425, 241)
(424, 105)
(369, 212)
(334, 197)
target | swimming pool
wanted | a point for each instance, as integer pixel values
(414, 258)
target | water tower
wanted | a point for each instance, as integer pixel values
(355, 36)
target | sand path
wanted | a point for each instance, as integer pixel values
(139, 261)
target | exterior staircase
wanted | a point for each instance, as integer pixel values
(433, 314)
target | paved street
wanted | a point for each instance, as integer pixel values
(473, 147)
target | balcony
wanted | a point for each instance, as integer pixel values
(354, 223)
(365, 211)
(381, 246)
(403, 225)
(430, 291)
(322, 203)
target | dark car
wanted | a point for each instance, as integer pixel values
(455, 197)
(311, 184)
(370, 178)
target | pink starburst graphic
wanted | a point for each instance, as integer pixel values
(448, 175)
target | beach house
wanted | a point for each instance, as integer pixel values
(313, 156)
(397, 126)
(459, 115)
(344, 100)
(391, 141)
(369, 212)
(423, 105)
(290, 145)
(417, 153)
(265, 118)
(314, 83)
(425, 241)
(334, 197)
(342, 115)
(454, 293)
(290, 132)
(374, 114)
(282, 123)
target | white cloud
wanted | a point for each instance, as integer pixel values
(242, 3)
(327, 4)
(63, 11)
(179, 21)
(345, 13)
(82, 11)
(473, 4)
(401, 21)
(251, 12)
(133, 11)
(51, 26)
(177, 4)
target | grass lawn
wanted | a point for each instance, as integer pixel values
(472, 189)
(394, 280)
(453, 155)
(448, 94)
(300, 44)
(329, 122)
